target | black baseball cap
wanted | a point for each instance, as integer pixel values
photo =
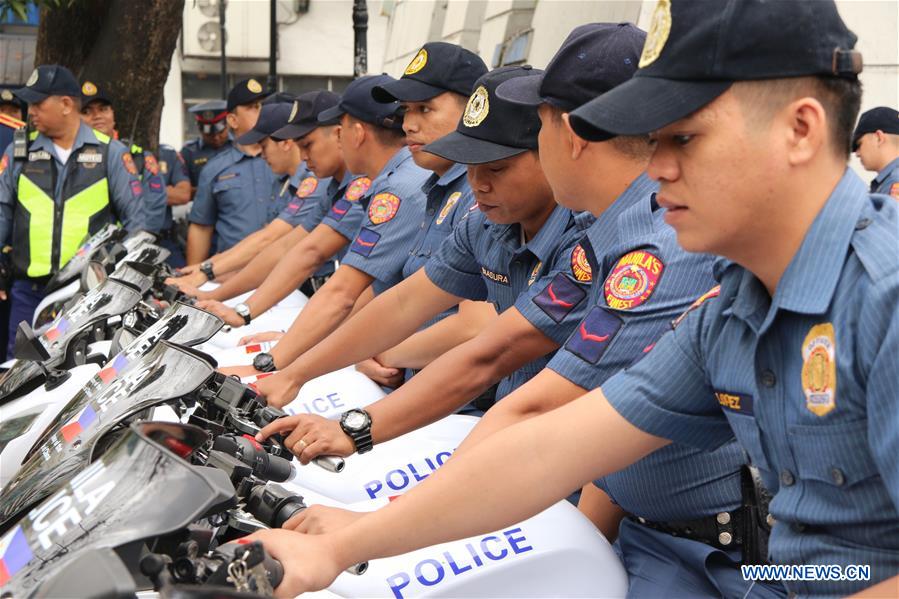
(695, 51)
(271, 118)
(303, 118)
(881, 118)
(245, 92)
(593, 59)
(91, 92)
(49, 80)
(438, 67)
(278, 97)
(491, 128)
(358, 102)
(210, 116)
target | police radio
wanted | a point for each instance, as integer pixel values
(20, 143)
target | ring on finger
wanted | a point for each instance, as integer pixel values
(301, 444)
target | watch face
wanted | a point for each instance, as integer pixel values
(354, 420)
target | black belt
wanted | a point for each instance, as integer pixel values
(723, 530)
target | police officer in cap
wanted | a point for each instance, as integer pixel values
(71, 182)
(232, 199)
(12, 116)
(214, 138)
(876, 143)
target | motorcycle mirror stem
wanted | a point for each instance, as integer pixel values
(30, 349)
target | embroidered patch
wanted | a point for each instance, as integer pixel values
(128, 161)
(6, 95)
(633, 280)
(307, 186)
(534, 273)
(365, 242)
(136, 189)
(254, 86)
(89, 158)
(163, 167)
(226, 177)
(894, 190)
(89, 89)
(357, 189)
(819, 369)
(201, 160)
(496, 277)
(418, 63)
(450, 202)
(293, 111)
(735, 402)
(560, 297)
(477, 109)
(580, 267)
(4, 162)
(155, 184)
(340, 208)
(294, 207)
(32, 79)
(594, 334)
(659, 28)
(713, 292)
(383, 208)
(39, 155)
(150, 164)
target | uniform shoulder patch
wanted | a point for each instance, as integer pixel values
(580, 267)
(560, 297)
(357, 189)
(150, 164)
(713, 292)
(307, 187)
(128, 161)
(894, 190)
(448, 206)
(340, 208)
(594, 334)
(632, 280)
(383, 208)
(4, 162)
(365, 242)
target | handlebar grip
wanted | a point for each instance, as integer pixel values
(331, 463)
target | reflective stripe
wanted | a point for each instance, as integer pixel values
(40, 228)
(77, 215)
(101, 137)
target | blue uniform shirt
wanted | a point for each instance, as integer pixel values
(395, 208)
(125, 190)
(677, 482)
(806, 380)
(887, 180)
(155, 200)
(485, 261)
(197, 155)
(307, 200)
(173, 170)
(235, 195)
(346, 212)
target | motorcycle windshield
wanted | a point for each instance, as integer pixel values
(137, 239)
(141, 487)
(111, 298)
(73, 268)
(125, 387)
(126, 271)
(146, 253)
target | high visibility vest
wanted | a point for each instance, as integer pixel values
(46, 233)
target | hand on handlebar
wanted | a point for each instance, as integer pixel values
(309, 562)
(278, 389)
(321, 519)
(310, 436)
(222, 311)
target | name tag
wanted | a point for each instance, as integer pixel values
(496, 277)
(91, 158)
(39, 155)
(735, 402)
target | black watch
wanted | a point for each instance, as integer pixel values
(243, 311)
(264, 362)
(206, 268)
(357, 425)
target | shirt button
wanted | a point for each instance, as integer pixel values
(725, 538)
(838, 477)
(786, 478)
(862, 224)
(769, 519)
(723, 518)
(422, 226)
(768, 378)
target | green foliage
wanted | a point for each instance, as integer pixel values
(19, 8)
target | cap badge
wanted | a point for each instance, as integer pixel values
(32, 79)
(477, 108)
(89, 89)
(819, 369)
(293, 111)
(6, 95)
(207, 115)
(659, 28)
(254, 86)
(418, 63)
(450, 202)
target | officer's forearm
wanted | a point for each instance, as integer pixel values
(543, 393)
(241, 254)
(325, 311)
(254, 273)
(461, 375)
(443, 507)
(395, 314)
(887, 588)
(425, 346)
(199, 242)
(178, 194)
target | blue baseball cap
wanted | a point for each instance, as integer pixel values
(436, 68)
(303, 118)
(271, 118)
(49, 80)
(358, 102)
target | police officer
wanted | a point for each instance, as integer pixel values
(794, 356)
(876, 143)
(176, 179)
(12, 116)
(278, 271)
(232, 199)
(72, 182)
(98, 112)
(214, 138)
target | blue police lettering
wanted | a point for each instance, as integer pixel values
(322, 405)
(431, 572)
(400, 478)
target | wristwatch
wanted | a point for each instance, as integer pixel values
(206, 268)
(357, 425)
(243, 311)
(264, 362)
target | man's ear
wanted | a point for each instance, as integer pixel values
(881, 137)
(231, 119)
(806, 128)
(575, 142)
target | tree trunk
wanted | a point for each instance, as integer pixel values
(125, 46)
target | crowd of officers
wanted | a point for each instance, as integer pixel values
(647, 266)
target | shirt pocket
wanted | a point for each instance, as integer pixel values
(227, 192)
(746, 430)
(835, 454)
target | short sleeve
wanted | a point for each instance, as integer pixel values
(125, 189)
(454, 267)
(305, 207)
(7, 195)
(345, 217)
(203, 211)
